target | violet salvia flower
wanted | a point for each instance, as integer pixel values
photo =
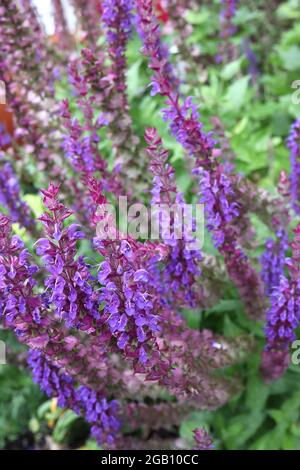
(228, 29)
(79, 149)
(293, 144)
(202, 439)
(162, 51)
(90, 363)
(252, 61)
(117, 19)
(29, 315)
(149, 31)
(128, 303)
(81, 146)
(24, 311)
(10, 197)
(182, 268)
(21, 308)
(50, 380)
(17, 281)
(283, 315)
(129, 307)
(96, 87)
(70, 279)
(226, 17)
(273, 260)
(218, 197)
(34, 60)
(164, 185)
(27, 70)
(187, 129)
(5, 139)
(101, 414)
(81, 142)
(216, 188)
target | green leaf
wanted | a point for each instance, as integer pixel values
(63, 425)
(289, 10)
(290, 58)
(35, 203)
(134, 79)
(241, 125)
(236, 95)
(231, 69)
(225, 306)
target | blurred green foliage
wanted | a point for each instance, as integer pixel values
(19, 396)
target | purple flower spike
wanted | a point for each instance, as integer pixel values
(100, 413)
(273, 260)
(283, 315)
(216, 189)
(10, 197)
(227, 30)
(176, 280)
(70, 279)
(130, 304)
(293, 143)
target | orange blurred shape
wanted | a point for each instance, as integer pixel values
(54, 38)
(6, 122)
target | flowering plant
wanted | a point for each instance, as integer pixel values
(117, 326)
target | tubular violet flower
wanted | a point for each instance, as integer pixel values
(293, 144)
(70, 279)
(101, 414)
